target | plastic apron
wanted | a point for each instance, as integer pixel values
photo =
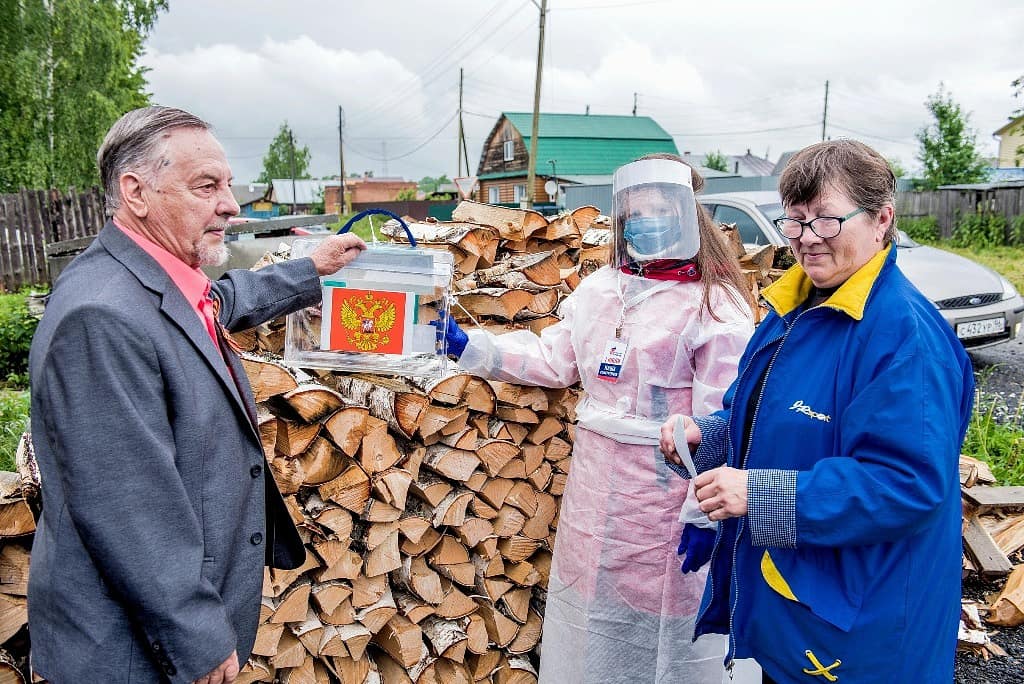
(618, 608)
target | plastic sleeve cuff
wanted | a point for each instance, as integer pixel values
(479, 356)
(771, 507)
(714, 440)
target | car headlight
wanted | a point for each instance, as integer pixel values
(1009, 291)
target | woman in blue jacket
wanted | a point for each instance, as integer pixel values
(834, 463)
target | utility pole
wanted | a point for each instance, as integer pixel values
(824, 114)
(291, 146)
(342, 207)
(531, 176)
(384, 155)
(634, 104)
(461, 144)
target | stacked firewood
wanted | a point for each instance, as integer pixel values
(993, 534)
(512, 266)
(429, 512)
(17, 525)
(429, 509)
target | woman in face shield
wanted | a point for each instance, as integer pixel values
(657, 332)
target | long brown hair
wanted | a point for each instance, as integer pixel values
(718, 267)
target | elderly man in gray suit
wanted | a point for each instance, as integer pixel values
(159, 511)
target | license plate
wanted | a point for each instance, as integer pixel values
(987, 326)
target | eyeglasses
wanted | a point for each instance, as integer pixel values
(824, 227)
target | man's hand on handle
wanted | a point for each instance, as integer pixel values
(335, 252)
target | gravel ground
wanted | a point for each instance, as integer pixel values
(1000, 374)
(971, 669)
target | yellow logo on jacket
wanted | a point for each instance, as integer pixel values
(819, 669)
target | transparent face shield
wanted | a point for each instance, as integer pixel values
(655, 212)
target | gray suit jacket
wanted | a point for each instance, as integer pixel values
(159, 510)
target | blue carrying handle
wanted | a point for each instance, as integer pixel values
(345, 228)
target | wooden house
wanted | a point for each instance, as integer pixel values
(571, 148)
(1011, 144)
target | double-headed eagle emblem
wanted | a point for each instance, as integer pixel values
(367, 321)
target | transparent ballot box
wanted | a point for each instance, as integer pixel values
(375, 313)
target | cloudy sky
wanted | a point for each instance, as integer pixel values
(728, 75)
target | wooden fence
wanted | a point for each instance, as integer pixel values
(948, 205)
(32, 219)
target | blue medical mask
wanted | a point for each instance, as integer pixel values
(651, 234)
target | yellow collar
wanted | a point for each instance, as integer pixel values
(793, 288)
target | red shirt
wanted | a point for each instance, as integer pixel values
(193, 283)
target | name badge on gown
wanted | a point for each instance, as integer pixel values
(610, 366)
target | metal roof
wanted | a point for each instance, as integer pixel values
(247, 193)
(1010, 125)
(589, 126)
(589, 144)
(307, 191)
(753, 166)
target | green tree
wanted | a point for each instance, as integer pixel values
(405, 194)
(317, 206)
(70, 69)
(716, 161)
(429, 184)
(948, 150)
(896, 166)
(277, 162)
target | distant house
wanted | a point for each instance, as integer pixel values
(783, 160)
(303, 194)
(742, 165)
(1011, 144)
(366, 189)
(252, 200)
(574, 148)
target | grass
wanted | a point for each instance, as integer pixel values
(996, 436)
(996, 432)
(14, 406)
(362, 226)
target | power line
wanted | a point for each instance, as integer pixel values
(436, 67)
(439, 59)
(874, 137)
(515, 36)
(413, 150)
(761, 130)
(614, 6)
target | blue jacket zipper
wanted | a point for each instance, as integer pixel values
(734, 588)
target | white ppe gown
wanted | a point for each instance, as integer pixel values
(618, 608)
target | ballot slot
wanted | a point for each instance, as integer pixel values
(375, 314)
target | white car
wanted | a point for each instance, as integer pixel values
(982, 306)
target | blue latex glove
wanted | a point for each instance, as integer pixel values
(696, 543)
(454, 336)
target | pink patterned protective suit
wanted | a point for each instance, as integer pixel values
(618, 608)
